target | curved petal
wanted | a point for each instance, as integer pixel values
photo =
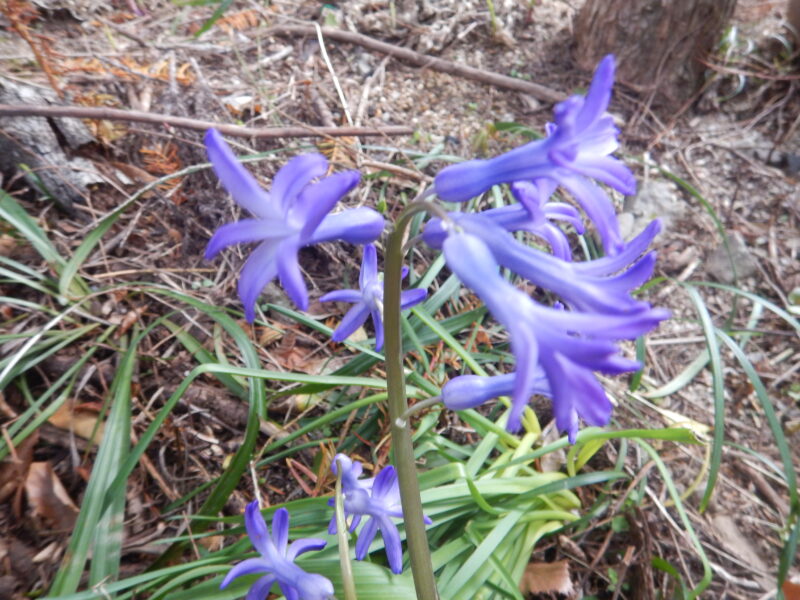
(369, 267)
(288, 590)
(576, 390)
(599, 94)
(280, 530)
(632, 250)
(291, 276)
(391, 542)
(332, 529)
(557, 240)
(298, 547)
(354, 523)
(256, 527)
(412, 297)
(258, 271)
(351, 296)
(385, 482)
(246, 230)
(561, 211)
(294, 176)
(377, 322)
(356, 226)
(365, 537)
(526, 351)
(607, 169)
(236, 179)
(318, 199)
(598, 208)
(246, 567)
(354, 319)
(260, 589)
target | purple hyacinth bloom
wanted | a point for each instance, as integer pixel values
(368, 299)
(602, 285)
(294, 214)
(566, 346)
(469, 391)
(277, 560)
(378, 499)
(539, 214)
(578, 145)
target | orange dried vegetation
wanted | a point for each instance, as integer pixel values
(21, 14)
(246, 19)
(163, 159)
(130, 69)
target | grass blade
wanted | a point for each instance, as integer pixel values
(709, 332)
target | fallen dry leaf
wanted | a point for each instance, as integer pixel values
(14, 470)
(81, 419)
(546, 578)
(48, 498)
(736, 542)
(791, 591)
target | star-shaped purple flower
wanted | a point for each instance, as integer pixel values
(277, 560)
(368, 299)
(378, 499)
(294, 214)
(578, 146)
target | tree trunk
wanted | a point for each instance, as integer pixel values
(659, 44)
(793, 16)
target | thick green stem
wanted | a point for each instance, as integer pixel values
(418, 549)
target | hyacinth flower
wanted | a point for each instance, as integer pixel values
(563, 346)
(379, 500)
(277, 560)
(293, 214)
(536, 215)
(602, 285)
(577, 146)
(368, 299)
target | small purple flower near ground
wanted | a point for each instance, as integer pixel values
(368, 299)
(277, 560)
(294, 214)
(378, 499)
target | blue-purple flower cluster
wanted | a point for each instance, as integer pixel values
(557, 347)
(377, 498)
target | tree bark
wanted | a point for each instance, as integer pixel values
(793, 16)
(659, 44)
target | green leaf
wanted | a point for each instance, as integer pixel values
(12, 212)
(87, 535)
(719, 394)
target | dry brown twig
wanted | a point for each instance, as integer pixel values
(115, 114)
(20, 15)
(425, 61)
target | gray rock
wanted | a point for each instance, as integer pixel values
(656, 199)
(720, 265)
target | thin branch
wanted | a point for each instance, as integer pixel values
(423, 60)
(115, 114)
